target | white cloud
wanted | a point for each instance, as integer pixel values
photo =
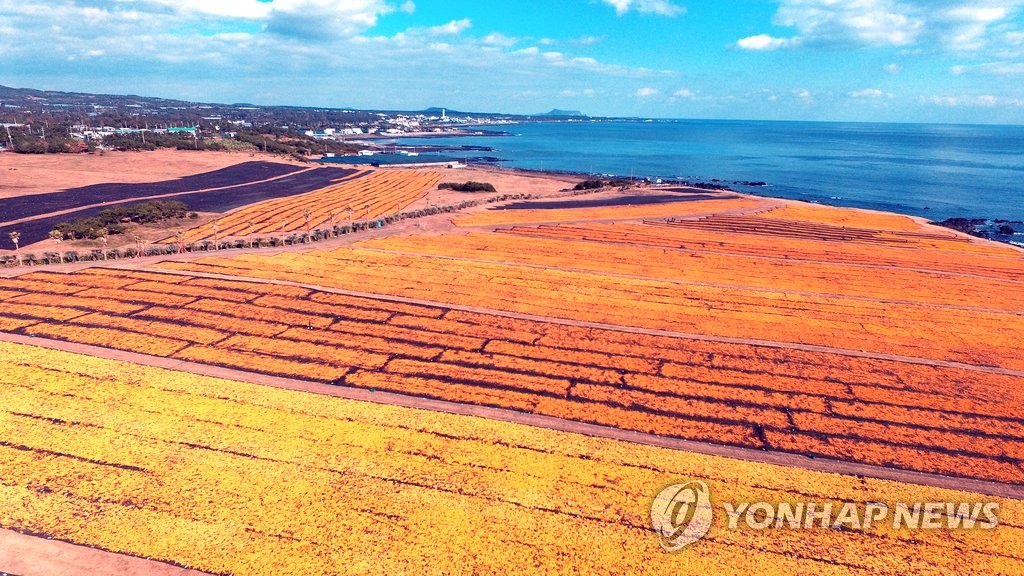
(324, 18)
(950, 25)
(659, 7)
(893, 68)
(990, 68)
(966, 28)
(685, 93)
(588, 92)
(869, 93)
(235, 9)
(986, 101)
(869, 22)
(646, 92)
(764, 42)
(587, 40)
(453, 28)
(497, 39)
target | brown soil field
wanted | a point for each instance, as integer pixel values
(42, 173)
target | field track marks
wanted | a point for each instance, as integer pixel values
(690, 249)
(694, 283)
(995, 489)
(153, 197)
(23, 554)
(582, 324)
(766, 205)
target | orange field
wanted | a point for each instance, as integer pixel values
(361, 197)
(500, 217)
(767, 325)
(806, 212)
(870, 410)
(884, 325)
(991, 261)
(720, 268)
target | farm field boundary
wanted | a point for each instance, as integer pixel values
(995, 489)
(583, 323)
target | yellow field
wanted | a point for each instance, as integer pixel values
(238, 478)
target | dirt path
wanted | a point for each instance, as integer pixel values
(548, 422)
(35, 556)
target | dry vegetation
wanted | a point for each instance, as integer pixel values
(359, 198)
(237, 478)
(777, 326)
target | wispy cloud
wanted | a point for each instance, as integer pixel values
(453, 28)
(659, 7)
(764, 42)
(869, 94)
(950, 25)
(867, 22)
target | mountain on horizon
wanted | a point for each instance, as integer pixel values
(564, 114)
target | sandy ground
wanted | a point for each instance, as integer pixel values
(34, 556)
(22, 174)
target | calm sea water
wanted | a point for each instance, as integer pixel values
(935, 171)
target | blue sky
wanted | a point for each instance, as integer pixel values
(870, 60)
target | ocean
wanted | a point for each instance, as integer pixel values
(935, 171)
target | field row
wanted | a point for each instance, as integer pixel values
(991, 264)
(973, 337)
(714, 268)
(381, 192)
(851, 217)
(879, 412)
(236, 478)
(767, 226)
(500, 217)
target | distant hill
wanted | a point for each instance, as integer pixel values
(564, 113)
(120, 109)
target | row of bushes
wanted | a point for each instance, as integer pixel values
(236, 244)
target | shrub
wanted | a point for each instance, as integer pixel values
(467, 186)
(112, 219)
(589, 185)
